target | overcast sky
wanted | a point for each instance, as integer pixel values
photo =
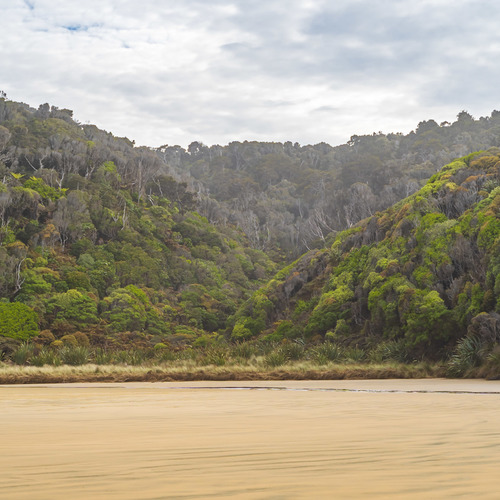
(176, 71)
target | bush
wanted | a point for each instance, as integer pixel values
(215, 356)
(74, 356)
(392, 350)
(23, 354)
(327, 352)
(293, 351)
(81, 339)
(45, 337)
(164, 355)
(69, 340)
(8, 346)
(275, 358)
(46, 357)
(102, 357)
(132, 357)
(244, 351)
(469, 352)
(354, 354)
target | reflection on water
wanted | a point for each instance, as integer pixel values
(347, 439)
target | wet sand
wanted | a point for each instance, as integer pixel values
(194, 440)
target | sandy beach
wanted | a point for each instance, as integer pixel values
(280, 440)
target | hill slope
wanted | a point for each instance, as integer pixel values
(422, 273)
(96, 240)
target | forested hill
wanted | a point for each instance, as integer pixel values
(95, 240)
(117, 245)
(291, 197)
(413, 279)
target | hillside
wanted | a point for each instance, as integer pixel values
(414, 278)
(97, 242)
(108, 244)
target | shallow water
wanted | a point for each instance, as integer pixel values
(262, 440)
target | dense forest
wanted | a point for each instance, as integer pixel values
(289, 198)
(96, 241)
(113, 245)
(416, 277)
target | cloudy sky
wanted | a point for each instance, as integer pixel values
(176, 71)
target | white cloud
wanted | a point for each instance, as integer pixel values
(220, 70)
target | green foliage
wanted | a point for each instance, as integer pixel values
(18, 321)
(73, 309)
(391, 350)
(46, 356)
(328, 352)
(468, 353)
(22, 354)
(275, 358)
(45, 191)
(102, 248)
(428, 321)
(74, 355)
(241, 332)
(330, 309)
(125, 310)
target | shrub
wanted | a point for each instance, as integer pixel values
(293, 351)
(392, 350)
(215, 356)
(469, 352)
(81, 339)
(354, 354)
(8, 346)
(22, 354)
(69, 340)
(71, 309)
(327, 352)
(45, 337)
(240, 332)
(164, 355)
(132, 357)
(245, 350)
(102, 357)
(46, 357)
(74, 355)
(275, 358)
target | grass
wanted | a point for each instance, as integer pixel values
(248, 361)
(189, 371)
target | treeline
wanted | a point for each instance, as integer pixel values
(288, 198)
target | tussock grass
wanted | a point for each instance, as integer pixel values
(248, 361)
(188, 371)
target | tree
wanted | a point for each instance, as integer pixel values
(125, 310)
(72, 309)
(18, 321)
(72, 218)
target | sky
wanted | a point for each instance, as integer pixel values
(215, 71)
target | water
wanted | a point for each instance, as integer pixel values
(275, 440)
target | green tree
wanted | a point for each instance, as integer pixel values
(17, 321)
(72, 309)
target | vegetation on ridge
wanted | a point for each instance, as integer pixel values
(103, 249)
